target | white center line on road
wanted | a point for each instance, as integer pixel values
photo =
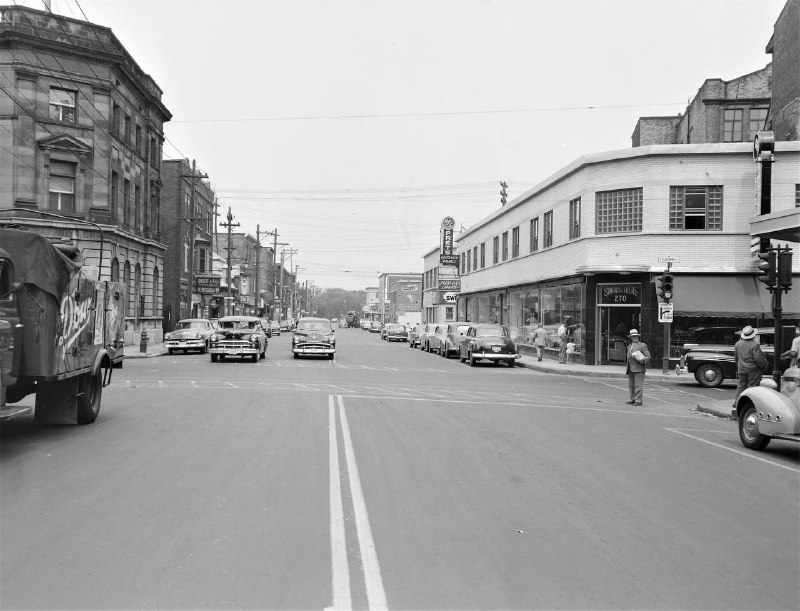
(376, 596)
(339, 566)
(749, 454)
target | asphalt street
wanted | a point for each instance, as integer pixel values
(391, 478)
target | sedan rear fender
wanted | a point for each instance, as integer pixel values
(776, 412)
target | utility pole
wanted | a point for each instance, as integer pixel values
(229, 226)
(258, 270)
(192, 218)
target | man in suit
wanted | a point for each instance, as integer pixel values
(638, 357)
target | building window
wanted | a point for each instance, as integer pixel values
(463, 263)
(126, 201)
(758, 120)
(797, 196)
(156, 293)
(618, 211)
(137, 206)
(483, 255)
(115, 120)
(202, 263)
(186, 256)
(115, 270)
(62, 105)
(62, 186)
(695, 208)
(732, 125)
(548, 229)
(495, 250)
(515, 242)
(505, 246)
(127, 129)
(469, 260)
(138, 141)
(535, 234)
(114, 194)
(575, 218)
(129, 296)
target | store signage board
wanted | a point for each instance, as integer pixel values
(619, 294)
(447, 254)
(449, 284)
(207, 285)
(669, 259)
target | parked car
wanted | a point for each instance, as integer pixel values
(364, 323)
(313, 337)
(274, 327)
(238, 336)
(395, 332)
(436, 339)
(427, 331)
(454, 334)
(413, 335)
(488, 342)
(266, 326)
(712, 364)
(765, 413)
(189, 334)
(285, 325)
(711, 336)
(375, 326)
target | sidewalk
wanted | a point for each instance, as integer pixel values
(721, 408)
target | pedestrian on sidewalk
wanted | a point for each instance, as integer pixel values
(570, 351)
(637, 359)
(539, 340)
(750, 361)
(562, 343)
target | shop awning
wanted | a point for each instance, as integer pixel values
(727, 296)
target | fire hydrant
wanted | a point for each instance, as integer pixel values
(143, 342)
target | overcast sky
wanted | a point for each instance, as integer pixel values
(354, 127)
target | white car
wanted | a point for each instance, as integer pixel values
(189, 334)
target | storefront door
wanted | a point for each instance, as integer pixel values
(618, 311)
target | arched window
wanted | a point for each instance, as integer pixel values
(128, 290)
(114, 270)
(156, 293)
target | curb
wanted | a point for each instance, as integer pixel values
(595, 374)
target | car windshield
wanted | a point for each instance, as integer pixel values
(492, 331)
(237, 324)
(395, 327)
(462, 329)
(313, 325)
(190, 324)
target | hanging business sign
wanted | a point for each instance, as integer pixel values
(447, 255)
(619, 294)
(207, 285)
(449, 284)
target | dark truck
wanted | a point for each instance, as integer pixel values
(61, 330)
(351, 320)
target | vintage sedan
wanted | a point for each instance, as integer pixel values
(395, 332)
(189, 334)
(453, 335)
(436, 338)
(424, 336)
(314, 337)
(488, 342)
(241, 336)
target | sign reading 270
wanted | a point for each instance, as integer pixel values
(624, 293)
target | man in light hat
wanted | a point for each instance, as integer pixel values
(750, 361)
(638, 356)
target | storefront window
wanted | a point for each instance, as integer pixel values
(523, 315)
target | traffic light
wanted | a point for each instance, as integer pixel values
(785, 269)
(664, 287)
(768, 265)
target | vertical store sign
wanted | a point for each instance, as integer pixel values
(447, 254)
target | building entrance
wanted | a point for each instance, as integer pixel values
(619, 309)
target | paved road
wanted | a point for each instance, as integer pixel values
(392, 478)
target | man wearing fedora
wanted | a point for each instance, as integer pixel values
(750, 361)
(638, 356)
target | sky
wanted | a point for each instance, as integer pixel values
(354, 127)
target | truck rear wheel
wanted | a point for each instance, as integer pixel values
(90, 394)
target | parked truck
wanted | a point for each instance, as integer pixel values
(61, 330)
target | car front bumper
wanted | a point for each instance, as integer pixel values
(184, 344)
(237, 349)
(313, 349)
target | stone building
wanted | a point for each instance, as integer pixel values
(81, 133)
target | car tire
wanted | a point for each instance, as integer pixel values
(461, 358)
(297, 356)
(204, 349)
(511, 363)
(330, 357)
(254, 358)
(213, 358)
(472, 360)
(709, 375)
(170, 351)
(748, 430)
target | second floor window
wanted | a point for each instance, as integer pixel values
(62, 186)
(758, 120)
(483, 255)
(126, 201)
(535, 234)
(618, 211)
(515, 242)
(114, 194)
(495, 250)
(695, 208)
(475, 258)
(62, 105)
(575, 218)
(548, 229)
(505, 246)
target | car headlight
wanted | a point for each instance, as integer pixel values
(254, 339)
(331, 339)
(217, 338)
(168, 335)
(198, 335)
